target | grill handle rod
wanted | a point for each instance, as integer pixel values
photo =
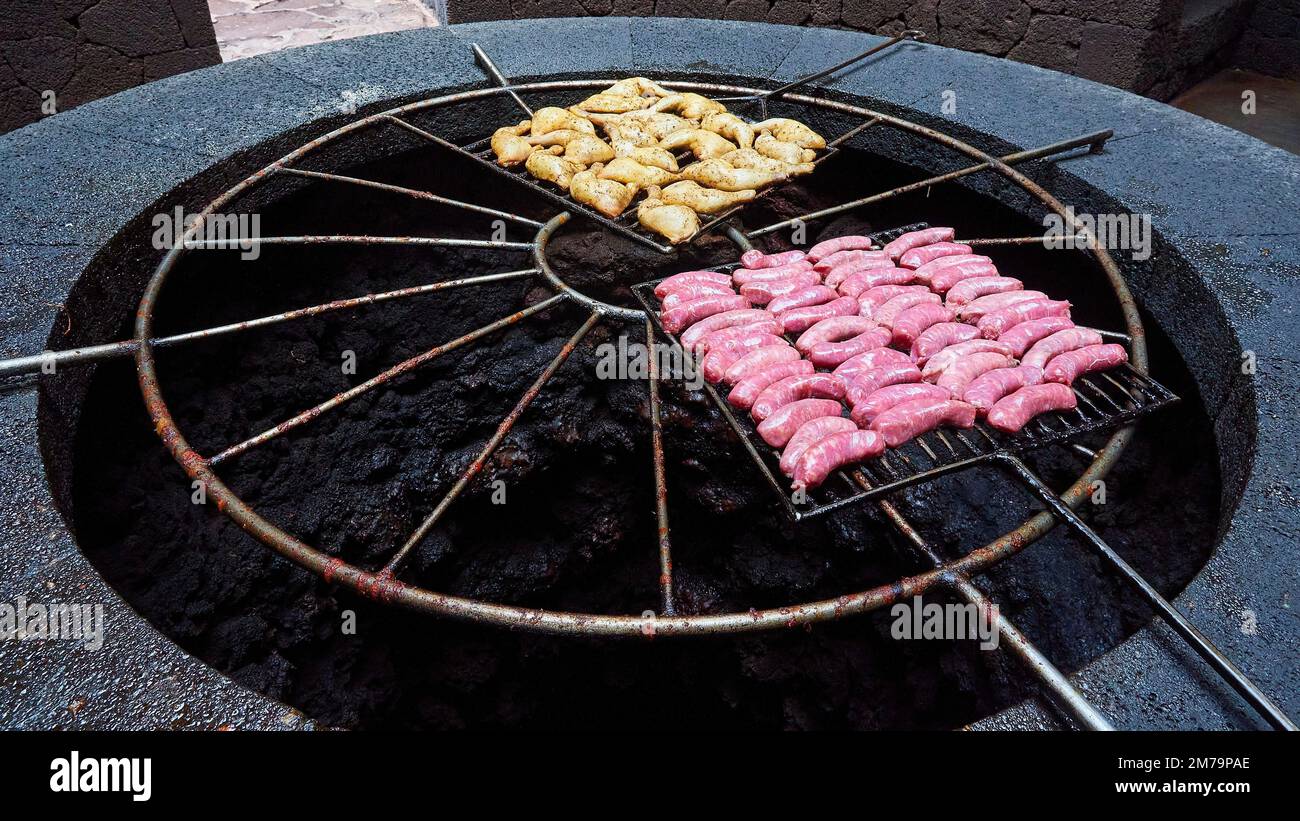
(1184, 628)
(909, 34)
(1058, 689)
(485, 63)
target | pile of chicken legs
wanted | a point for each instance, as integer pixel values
(629, 138)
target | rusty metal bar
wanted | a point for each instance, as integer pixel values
(763, 97)
(353, 239)
(666, 603)
(485, 63)
(409, 192)
(395, 563)
(397, 370)
(1198, 641)
(1095, 139)
(113, 350)
(1016, 240)
(1058, 688)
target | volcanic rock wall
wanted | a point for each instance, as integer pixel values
(1152, 47)
(56, 54)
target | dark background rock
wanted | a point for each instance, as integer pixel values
(1158, 48)
(82, 49)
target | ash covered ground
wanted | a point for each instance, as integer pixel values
(577, 531)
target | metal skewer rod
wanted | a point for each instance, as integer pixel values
(485, 63)
(666, 603)
(1062, 693)
(762, 97)
(113, 350)
(392, 373)
(1013, 158)
(410, 192)
(1199, 642)
(503, 430)
(353, 239)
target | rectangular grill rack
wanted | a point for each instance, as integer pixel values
(1107, 400)
(626, 223)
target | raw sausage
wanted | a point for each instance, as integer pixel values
(809, 433)
(777, 429)
(792, 389)
(915, 239)
(748, 389)
(820, 459)
(870, 407)
(985, 390)
(688, 313)
(909, 420)
(798, 319)
(1070, 365)
(1013, 412)
(994, 323)
(755, 258)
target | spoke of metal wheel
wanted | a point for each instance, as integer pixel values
(485, 62)
(409, 192)
(392, 373)
(354, 239)
(1199, 642)
(395, 564)
(112, 350)
(666, 602)
(1018, 240)
(1062, 693)
(764, 96)
(1094, 140)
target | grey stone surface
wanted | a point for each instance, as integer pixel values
(1153, 47)
(82, 50)
(1225, 277)
(1051, 41)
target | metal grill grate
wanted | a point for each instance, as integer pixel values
(1107, 400)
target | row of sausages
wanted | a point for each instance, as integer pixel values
(916, 335)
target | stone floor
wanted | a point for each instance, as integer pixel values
(248, 27)
(1276, 118)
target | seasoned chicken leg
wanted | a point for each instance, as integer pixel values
(718, 174)
(560, 136)
(703, 144)
(731, 127)
(606, 196)
(647, 155)
(629, 171)
(749, 158)
(770, 146)
(658, 123)
(704, 200)
(587, 149)
(689, 105)
(553, 169)
(676, 222)
(509, 146)
(791, 131)
(627, 131)
(605, 103)
(553, 119)
(638, 87)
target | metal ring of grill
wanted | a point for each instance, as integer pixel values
(384, 585)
